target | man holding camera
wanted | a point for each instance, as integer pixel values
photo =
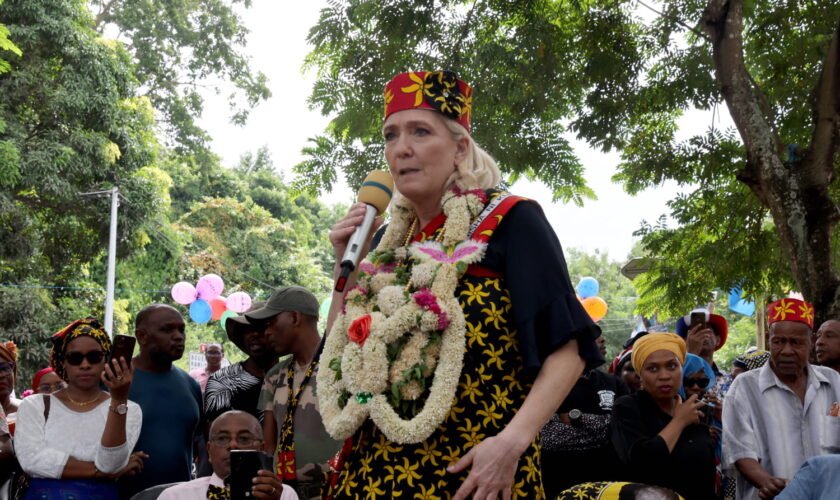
(233, 430)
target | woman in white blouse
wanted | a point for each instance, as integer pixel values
(80, 438)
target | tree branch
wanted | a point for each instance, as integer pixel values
(819, 163)
(103, 14)
(723, 21)
(455, 61)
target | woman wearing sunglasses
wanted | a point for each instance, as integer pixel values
(656, 432)
(78, 439)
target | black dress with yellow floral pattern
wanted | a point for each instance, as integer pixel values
(499, 364)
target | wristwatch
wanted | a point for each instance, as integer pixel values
(120, 409)
(574, 416)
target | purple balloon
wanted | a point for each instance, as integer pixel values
(210, 286)
(238, 302)
(183, 293)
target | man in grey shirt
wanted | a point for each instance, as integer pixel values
(777, 417)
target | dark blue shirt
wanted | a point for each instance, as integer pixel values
(171, 404)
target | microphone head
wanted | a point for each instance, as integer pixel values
(377, 189)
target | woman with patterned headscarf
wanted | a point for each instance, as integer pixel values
(8, 377)
(79, 438)
(655, 432)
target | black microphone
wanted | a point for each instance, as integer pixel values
(375, 193)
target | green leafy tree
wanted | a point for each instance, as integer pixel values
(180, 46)
(762, 210)
(70, 122)
(8, 46)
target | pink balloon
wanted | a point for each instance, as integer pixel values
(239, 302)
(209, 286)
(183, 293)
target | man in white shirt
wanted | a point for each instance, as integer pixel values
(235, 430)
(777, 417)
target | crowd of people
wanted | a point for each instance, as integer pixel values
(458, 364)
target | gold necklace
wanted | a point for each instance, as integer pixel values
(82, 403)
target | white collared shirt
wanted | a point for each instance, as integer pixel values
(765, 420)
(197, 490)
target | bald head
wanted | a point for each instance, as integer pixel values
(243, 419)
(147, 311)
(232, 430)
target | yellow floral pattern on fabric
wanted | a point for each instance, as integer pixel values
(490, 391)
(417, 88)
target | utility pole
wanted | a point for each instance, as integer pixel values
(114, 192)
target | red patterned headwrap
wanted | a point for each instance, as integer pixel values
(791, 310)
(8, 352)
(84, 327)
(440, 91)
(36, 380)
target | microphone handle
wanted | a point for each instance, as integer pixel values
(354, 247)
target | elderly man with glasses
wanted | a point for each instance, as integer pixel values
(233, 430)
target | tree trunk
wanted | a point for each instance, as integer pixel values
(797, 191)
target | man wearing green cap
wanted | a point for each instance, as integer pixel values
(292, 423)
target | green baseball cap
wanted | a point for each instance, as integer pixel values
(286, 299)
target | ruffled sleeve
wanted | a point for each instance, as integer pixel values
(546, 310)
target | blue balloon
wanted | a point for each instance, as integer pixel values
(200, 311)
(740, 305)
(588, 287)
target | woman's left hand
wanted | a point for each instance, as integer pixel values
(493, 464)
(117, 378)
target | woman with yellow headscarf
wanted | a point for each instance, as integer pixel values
(657, 434)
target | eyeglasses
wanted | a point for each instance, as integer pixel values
(212, 353)
(243, 441)
(47, 388)
(76, 358)
(701, 382)
(6, 368)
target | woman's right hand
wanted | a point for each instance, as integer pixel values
(688, 412)
(343, 229)
(117, 378)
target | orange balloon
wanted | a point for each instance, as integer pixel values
(595, 307)
(218, 306)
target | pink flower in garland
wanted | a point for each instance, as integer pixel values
(426, 299)
(443, 321)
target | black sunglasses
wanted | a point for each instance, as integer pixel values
(701, 382)
(76, 358)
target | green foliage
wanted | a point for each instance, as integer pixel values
(73, 120)
(7, 46)
(179, 45)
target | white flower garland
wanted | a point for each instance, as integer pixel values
(360, 379)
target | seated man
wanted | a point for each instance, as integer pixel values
(233, 430)
(780, 415)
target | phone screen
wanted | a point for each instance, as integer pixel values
(244, 465)
(123, 347)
